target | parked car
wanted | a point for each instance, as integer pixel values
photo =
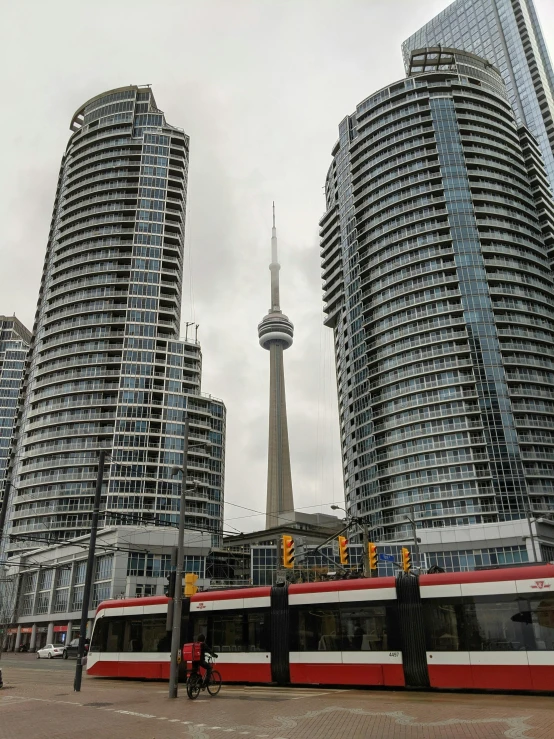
(50, 651)
(72, 649)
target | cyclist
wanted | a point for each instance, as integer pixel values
(202, 662)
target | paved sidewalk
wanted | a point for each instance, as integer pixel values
(40, 703)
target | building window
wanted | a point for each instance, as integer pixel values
(64, 576)
(61, 600)
(77, 601)
(135, 564)
(102, 591)
(151, 565)
(145, 589)
(104, 567)
(194, 564)
(42, 602)
(27, 605)
(80, 572)
(45, 581)
(29, 582)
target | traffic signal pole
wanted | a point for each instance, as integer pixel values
(365, 551)
(89, 572)
(178, 597)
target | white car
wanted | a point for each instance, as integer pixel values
(50, 651)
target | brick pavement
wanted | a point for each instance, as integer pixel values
(40, 703)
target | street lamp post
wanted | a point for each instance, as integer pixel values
(531, 532)
(411, 519)
(178, 595)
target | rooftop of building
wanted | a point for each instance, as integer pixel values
(18, 327)
(315, 527)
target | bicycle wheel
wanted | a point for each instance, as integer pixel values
(214, 683)
(194, 683)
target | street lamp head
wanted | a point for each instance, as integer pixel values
(175, 470)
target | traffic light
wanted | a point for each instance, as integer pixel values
(372, 556)
(169, 589)
(288, 551)
(343, 550)
(406, 559)
(190, 587)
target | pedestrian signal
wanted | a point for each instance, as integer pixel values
(190, 587)
(169, 589)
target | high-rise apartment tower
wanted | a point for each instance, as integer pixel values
(15, 340)
(507, 33)
(275, 333)
(440, 295)
(107, 369)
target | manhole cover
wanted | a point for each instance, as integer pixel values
(97, 705)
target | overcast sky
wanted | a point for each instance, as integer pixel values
(260, 86)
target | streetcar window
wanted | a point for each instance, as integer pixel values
(540, 619)
(228, 633)
(490, 626)
(258, 632)
(115, 628)
(346, 628)
(201, 627)
(243, 631)
(131, 634)
(363, 628)
(490, 623)
(443, 626)
(317, 628)
(145, 634)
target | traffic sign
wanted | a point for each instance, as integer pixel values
(386, 557)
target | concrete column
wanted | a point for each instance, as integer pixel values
(33, 641)
(17, 639)
(50, 633)
(89, 629)
(68, 632)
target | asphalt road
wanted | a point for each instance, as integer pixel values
(30, 662)
(38, 701)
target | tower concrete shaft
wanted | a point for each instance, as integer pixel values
(275, 333)
(279, 478)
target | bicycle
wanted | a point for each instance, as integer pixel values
(196, 682)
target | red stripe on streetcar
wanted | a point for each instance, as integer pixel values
(342, 585)
(535, 572)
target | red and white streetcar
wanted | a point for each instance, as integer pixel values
(489, 630)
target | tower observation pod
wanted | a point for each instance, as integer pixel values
(275, 333)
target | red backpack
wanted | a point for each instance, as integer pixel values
(192, 652)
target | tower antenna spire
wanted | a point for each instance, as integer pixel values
(274, 269)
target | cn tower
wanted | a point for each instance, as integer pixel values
(275, 333)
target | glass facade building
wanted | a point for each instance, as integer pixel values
(439, 291)
(107, 369)
(15, 341)
(507, 33)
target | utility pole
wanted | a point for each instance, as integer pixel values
(90, 572)
(178, 597)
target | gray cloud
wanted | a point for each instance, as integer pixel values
(260, 86)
